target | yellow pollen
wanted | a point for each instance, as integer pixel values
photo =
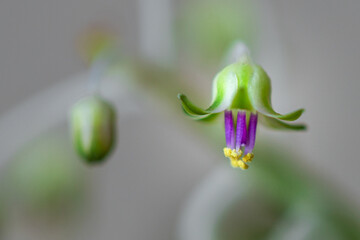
(235, 158)
(242, 165)
(248, 157)
(234, 163)
(227, 152)
(236, 154)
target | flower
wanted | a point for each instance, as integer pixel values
(245, 88)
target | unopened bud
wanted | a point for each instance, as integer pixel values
(93, 128)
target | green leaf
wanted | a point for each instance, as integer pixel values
(259, 90)
(280, 125)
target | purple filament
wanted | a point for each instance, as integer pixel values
(250, 141)
(241, 129)
(229, 129)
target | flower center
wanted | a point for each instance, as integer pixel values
(240, 141)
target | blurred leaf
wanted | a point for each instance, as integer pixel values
(207, 28)
(44, 178)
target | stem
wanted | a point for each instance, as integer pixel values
(237, 52)
(96, 73)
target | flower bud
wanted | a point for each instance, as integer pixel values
(93, 128)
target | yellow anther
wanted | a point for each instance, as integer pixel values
(242, 165)
(236, 154)
(234, 163)
(248, 157)
(227, 152)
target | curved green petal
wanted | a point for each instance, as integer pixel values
(225, 86)
(224, 89)
(280, 125)
(203, 118)
(192, 110)
(259, 90)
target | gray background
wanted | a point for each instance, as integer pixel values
(320, 43)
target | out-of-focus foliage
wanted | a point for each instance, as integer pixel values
(207, 28)
(44, 178)
(285, 203)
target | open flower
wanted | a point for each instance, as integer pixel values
(245, 88)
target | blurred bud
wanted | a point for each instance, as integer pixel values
(93, 128)
(95, 41)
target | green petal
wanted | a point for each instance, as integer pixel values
(225, 86)
(192, 110)
(259, 90)
(280, 125)
(210, 117)
(224, 89)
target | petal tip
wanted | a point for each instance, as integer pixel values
(302, 127)
(281, 125)
(290, 116)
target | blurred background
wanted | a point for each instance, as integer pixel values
(167, 178)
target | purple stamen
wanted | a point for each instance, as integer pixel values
(250, 142)
(241, 130)
(229, 129)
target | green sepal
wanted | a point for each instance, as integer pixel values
(203, 118)
(225, 86)
(224, 89)
(190, 109)
(280, 125)
(259, 90)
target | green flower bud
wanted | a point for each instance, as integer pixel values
(93, 128)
